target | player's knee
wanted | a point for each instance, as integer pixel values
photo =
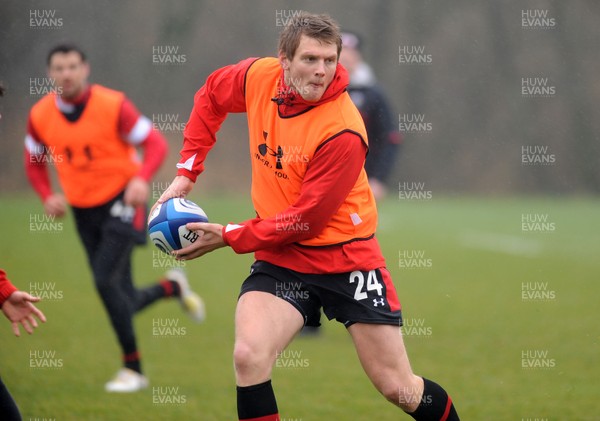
(249, 358)
(405, 396)
(390, 391)
(242, 354)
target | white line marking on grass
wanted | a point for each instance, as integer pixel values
(501, 243)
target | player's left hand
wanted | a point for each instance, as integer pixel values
(19, 308)
(136, 192)
(211, 238)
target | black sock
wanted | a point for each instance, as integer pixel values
(256, 401)
(435, 404)
(132, 362)
(176, 289)
(170, 288)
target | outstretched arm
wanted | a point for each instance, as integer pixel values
(222, 93)
(18, 306)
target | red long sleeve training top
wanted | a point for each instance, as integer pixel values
(6, 288)
(330, 176)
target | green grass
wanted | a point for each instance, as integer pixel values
(469, 300)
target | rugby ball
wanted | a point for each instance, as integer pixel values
(166, 224)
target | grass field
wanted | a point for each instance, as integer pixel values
(504, 315)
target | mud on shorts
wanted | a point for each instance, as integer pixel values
(351, 297)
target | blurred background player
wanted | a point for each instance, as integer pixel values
(380, 121)
(89, 133)
(18, 307)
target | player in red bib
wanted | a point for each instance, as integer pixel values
(314, 234)
(89, 134)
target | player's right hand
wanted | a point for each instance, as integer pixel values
(55, 205)
(180, 187)
(211, 238)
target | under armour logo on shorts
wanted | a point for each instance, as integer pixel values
(377, 301)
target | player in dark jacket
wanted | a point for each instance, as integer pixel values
(375, 109)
